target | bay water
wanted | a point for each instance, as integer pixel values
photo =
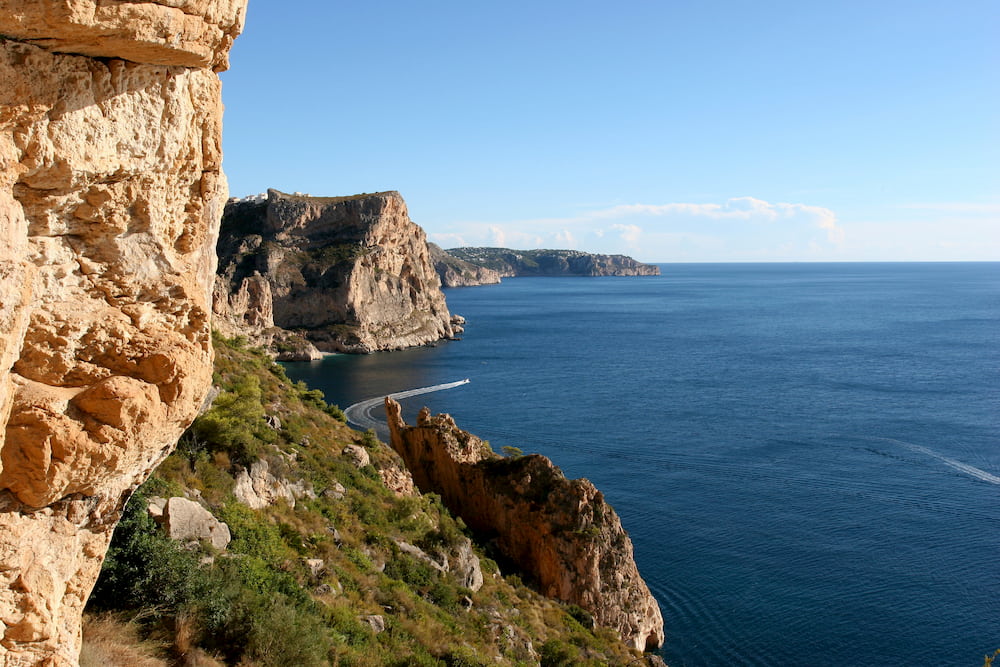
(806, 456)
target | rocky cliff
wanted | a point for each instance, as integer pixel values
(350, 274)
(110, 195)
(560, 532)
(455, 272)
(512, 263)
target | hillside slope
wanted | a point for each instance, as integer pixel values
(333, 558)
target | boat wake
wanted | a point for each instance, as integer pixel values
(957, 465)
(360, 414)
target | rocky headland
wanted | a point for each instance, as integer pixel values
(343, 274)
(507, 263)
(455, 272)
(560, 532)
(111, 192)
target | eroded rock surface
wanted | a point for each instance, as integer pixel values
(349, 274)
(455, 272)
(559, 531)
(186, 521)
(258, 488)
(110, 195)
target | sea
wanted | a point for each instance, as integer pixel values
(806, 456)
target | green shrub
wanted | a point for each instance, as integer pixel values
(414, 572)
(555, 653)
(143, 567)
(335, 412)
(254, 535)
(235, 423)
(512, 452)
(462, 656)
(280, 635)
(370, 440)
(581, 616)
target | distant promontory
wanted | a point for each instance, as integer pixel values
(463, 266)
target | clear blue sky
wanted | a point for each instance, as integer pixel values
(668, 130)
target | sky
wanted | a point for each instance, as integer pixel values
(669, 130)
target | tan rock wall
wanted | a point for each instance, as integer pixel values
(560, 532)
(354, 274)
(110, 195)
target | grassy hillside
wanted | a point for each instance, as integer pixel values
(312, 584)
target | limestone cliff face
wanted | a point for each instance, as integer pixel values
(351, 274)
(559, 531)
(455, 272)
(110, 194)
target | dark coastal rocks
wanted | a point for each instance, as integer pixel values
(560, 532)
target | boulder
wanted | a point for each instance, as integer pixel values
(375, 622)
(357, 455)
(258, 488)
(185, 521)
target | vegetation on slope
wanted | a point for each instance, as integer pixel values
(264, 601)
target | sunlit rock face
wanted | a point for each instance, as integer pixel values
(111, 192)
(347, 274)
(560, 532)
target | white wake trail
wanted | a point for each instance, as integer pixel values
(957, 465)
(360, 414)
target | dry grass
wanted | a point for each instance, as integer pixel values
(109, 641)
(186, 634)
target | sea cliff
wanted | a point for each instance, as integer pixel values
(455, 272)
(560, 532)
(509, 263)
(346, 274)
(111, 191)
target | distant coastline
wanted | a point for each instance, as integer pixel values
(461, 267)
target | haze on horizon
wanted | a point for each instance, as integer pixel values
(723, 131)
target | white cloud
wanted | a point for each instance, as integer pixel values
(566, 238)
(737, 229)
(736, 208)
(629, 233)
(448, 240)
(499, 238)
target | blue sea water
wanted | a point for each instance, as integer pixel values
(806, 456)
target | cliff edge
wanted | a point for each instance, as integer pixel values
(455, 272)
(349, 274)
(559, 531)
(111, 191)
